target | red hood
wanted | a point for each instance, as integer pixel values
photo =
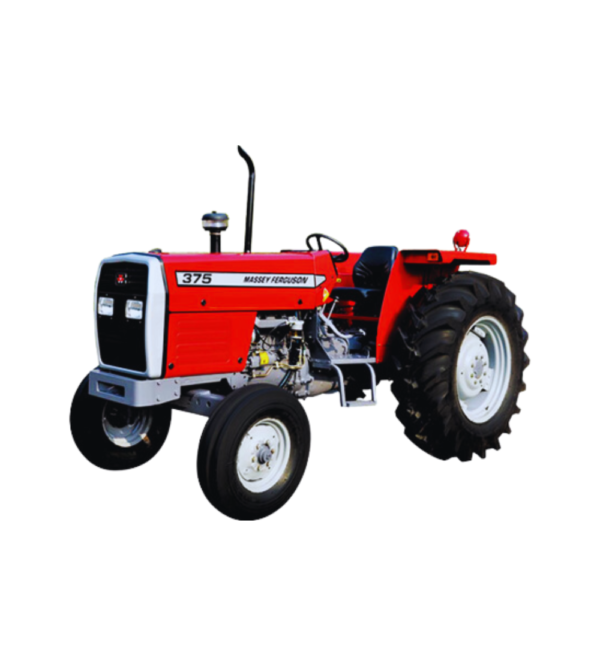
(248, 282)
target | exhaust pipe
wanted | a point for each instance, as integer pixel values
(250, 204)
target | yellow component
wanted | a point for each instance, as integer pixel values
(264, 358)
(325, 295)
(339, 281)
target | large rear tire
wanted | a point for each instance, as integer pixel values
(253, 452)
(116, 437)
(458, 360)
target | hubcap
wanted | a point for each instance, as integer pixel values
(124, 426)
(263, 455)
(483, 369)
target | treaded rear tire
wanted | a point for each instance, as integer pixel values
(424, 354)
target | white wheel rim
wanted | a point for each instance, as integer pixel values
(128, 428)
(483, 369)
(263, 455)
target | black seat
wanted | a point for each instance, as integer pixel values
(370, 276)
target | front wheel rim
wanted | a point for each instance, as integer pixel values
(126, 427)
(483, 369)
(263, 455)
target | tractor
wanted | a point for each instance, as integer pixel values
(243, 338)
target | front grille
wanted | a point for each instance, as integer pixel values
(122, 341)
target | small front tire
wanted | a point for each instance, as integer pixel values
(253, 452)
(113, 436)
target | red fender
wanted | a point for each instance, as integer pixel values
(412, 270)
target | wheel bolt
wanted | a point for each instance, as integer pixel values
(273, 451)
(253, 458)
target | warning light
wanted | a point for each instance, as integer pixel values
(461, 240)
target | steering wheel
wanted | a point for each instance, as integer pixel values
(338, 259)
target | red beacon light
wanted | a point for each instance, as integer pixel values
(461, 240)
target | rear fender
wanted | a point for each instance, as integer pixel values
(412, 270)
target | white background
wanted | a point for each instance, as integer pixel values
(378, 123)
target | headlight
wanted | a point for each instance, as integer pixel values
(106, 306)
(134, 309)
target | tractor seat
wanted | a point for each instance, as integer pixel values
(370, 276)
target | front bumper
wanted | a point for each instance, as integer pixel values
(144, 392)
(133, 392)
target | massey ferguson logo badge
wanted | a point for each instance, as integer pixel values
(121, 278)
(281, 280)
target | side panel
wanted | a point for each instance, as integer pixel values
(214, 298)
(202, 343)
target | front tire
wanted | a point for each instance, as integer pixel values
(458, 356)
(113, 436)
(253, 452)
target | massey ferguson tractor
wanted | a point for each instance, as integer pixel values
(243, 338)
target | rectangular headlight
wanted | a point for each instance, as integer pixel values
(134, 309)
(106, 306)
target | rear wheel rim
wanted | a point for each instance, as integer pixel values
(126, 427)
(263, 455)
(483, 369)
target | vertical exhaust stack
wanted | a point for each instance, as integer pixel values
(250, 204)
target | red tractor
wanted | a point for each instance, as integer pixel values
(242, 338)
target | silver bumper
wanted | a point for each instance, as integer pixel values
(151, 392)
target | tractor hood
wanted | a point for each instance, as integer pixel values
(248, 282)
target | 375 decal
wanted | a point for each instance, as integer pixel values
(191, 279)
(279, 280)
